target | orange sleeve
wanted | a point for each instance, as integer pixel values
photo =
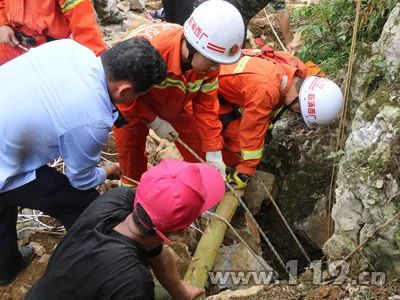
(260, 99)
(3, 16)
(83, 24)
(205, 112)
(138, 109)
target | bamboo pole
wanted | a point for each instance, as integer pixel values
(207, 249)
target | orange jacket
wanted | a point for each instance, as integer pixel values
(54, 18)
(169, 98)
(258, 86)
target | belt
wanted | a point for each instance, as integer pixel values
(235, 114)
(30, 41)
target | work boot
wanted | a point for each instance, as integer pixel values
(27, 253)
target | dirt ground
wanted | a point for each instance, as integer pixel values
(24, 281)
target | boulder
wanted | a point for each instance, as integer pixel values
(367, 193)
(239, 260)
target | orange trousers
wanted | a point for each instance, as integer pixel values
(131, 143)
(232, 151)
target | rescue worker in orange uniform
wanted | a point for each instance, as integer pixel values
(260, 87)
(30, 23)
(213, 35)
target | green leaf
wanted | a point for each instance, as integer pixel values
(317, 30)
(380, 64)
(336, 154)
(303, 28)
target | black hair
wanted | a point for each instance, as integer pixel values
(136, 61)
(299, 83)
(139, 215)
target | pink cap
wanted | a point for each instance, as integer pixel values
(174, 193)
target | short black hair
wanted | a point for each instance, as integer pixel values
(139, 215)
(299, 83)
(136, 61)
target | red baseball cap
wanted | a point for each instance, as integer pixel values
(174, 193)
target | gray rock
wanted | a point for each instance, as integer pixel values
(238, 259)
(368, 177)
(39, 249)
(255, 193)
(389, 43)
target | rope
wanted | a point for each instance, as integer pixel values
(41, 227)
(273, 30)
(284, 220)
(340, 140)
(130, 179)
(279, 212)
(379, 229)
(259, 259)
(262, 233)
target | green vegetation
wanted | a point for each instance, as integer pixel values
(327, 29)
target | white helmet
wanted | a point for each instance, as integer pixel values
(216, 30)
(321, 100)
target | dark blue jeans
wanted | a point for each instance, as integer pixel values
(51, 193)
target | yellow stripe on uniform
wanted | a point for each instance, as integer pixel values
(208, 87)
(241, 65)
(252, 154)
(171, 83)
(193, 87)
(70, 4)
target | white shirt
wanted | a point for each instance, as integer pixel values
(53, 102)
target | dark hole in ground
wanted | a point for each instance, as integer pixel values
(283, 242)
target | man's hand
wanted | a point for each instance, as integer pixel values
(7, 36)
(238, 180)
(164, 129)
(214, 158)
(191, 292)
(112, 171)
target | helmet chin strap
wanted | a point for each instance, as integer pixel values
(191, 50)
(284, 108)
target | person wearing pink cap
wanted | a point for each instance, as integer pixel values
(106, 253)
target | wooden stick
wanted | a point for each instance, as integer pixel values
(235, 194)
(380, 228)
(342, 122)
(22, 47)
(273, 30)
(190, 150)
(130, 179)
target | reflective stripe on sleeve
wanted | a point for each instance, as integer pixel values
(241, 65)
(208, 87)
(193, 87)
(171, 83)
(70, 4)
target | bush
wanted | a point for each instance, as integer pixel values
(327, 29)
